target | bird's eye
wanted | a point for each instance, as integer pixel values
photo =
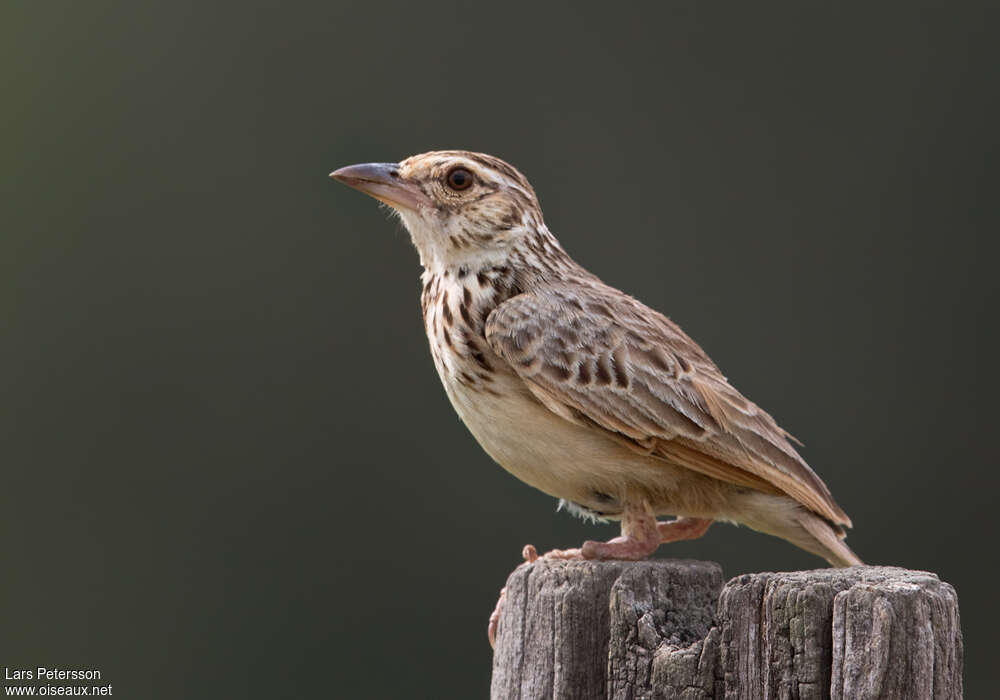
(459, 179)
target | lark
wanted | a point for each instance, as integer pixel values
(578, 389)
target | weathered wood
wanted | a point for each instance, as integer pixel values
(556, 623)
(898, 637)
(660, 615)
(662, 629)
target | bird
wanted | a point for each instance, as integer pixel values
(580, 390)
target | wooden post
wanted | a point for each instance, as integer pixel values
(670, 629)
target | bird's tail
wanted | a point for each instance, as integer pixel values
(791, 521)
(828, 541)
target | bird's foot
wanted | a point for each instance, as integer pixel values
(626, 548)
(491, 628)
(531, 554)
(645, 534)
(686, 528)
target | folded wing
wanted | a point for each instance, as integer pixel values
(596, 356)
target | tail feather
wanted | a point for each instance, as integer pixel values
(830, 541)
(785, 518)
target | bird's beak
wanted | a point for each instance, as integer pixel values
(383, 182)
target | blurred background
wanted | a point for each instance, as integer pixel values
(228, 467)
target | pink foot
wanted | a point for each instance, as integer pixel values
(626, 547)
(685, 528)
(640, 537)
(491, 628)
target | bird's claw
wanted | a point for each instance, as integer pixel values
(564, 554)
(491, 628)
(531, 554)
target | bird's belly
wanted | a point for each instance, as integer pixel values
(546, 451)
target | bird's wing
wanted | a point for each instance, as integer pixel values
(596, 356)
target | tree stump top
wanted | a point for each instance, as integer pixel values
(669, 628)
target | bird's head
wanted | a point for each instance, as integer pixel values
(461, 208)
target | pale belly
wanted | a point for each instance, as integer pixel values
(548, 452)
(578, 463)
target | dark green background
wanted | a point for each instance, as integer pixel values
(228, 467)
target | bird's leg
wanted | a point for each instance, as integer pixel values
(640, 537)
(685, 528)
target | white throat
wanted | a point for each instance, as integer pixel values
(435, 245)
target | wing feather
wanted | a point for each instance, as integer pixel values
(598, 357)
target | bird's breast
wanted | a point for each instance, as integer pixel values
(455, 310)
(537, 446)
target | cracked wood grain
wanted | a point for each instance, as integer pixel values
(670, 629)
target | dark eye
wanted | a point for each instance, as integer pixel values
(459, 179)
